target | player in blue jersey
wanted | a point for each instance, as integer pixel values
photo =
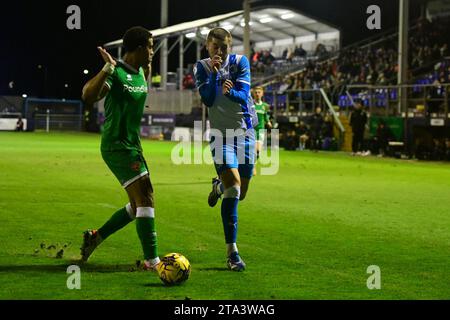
(223, 81)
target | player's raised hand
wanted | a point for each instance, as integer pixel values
(216, 63)
(227, 86)
(106, 56)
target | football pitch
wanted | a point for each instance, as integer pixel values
(309, 232)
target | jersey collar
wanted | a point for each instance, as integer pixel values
(127, 67)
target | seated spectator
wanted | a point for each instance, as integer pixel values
(380, 142)
(291, 141)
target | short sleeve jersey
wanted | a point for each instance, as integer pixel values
(263, 117)
(124, 107)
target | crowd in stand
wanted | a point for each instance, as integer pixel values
(315, 133)
(377, 64)
(262, 61)
(429, 42)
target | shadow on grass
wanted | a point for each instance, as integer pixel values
(84, 267)
(214, 269)
(182, 183)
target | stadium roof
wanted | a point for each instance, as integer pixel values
(268, 24)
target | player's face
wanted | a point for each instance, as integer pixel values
(147, 53)
(258, 94)
(217, 47)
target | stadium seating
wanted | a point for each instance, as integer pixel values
(376, 63)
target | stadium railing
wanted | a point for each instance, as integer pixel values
(58, 122)
(54, 114)
(173, 102)
(293, 105)
(168, 102)
(430, 100)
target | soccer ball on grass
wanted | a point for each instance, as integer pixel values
(174, 269)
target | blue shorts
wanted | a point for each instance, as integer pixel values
(234, 152)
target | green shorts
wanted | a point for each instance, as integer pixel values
(260, 135)
(127, 165)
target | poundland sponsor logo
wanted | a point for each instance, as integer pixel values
(135, 89)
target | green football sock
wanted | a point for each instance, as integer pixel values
(117, 221)
(146, 230)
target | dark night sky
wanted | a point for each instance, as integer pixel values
(34, 32)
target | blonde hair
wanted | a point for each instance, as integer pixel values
(218, 33)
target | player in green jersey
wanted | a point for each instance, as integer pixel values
(124, 84)
(263, 120)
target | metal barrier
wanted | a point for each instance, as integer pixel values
(294, 102)
(58, 122)
(423, 100)
(302, 103)
(298, 102)
(166, 102)
(173, 102)
(332, 111)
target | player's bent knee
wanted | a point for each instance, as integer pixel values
(145, 200)
(244, 188)
(141, 193)
(233, 192)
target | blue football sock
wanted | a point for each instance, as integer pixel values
(230, 214)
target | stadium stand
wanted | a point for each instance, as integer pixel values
(369, 71)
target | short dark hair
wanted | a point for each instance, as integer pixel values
(218, 33)
(135, 37)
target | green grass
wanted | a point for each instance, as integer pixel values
(309, 232)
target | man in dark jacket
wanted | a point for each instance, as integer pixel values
(381, 139)
(358, 120)
(316, 124)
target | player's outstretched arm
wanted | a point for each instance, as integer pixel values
(95, 89)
